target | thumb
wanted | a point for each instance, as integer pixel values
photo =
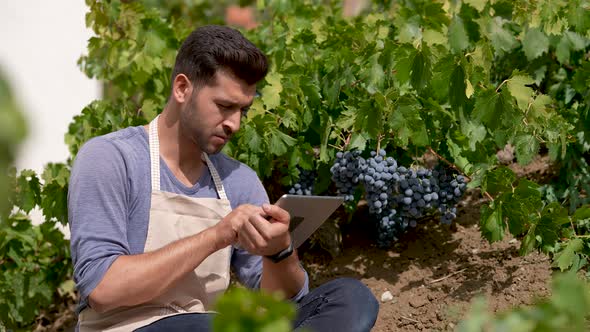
(276, 212)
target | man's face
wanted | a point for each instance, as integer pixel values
(213, 112)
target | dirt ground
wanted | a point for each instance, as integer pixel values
(434, 271)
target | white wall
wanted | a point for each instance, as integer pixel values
(40, 43)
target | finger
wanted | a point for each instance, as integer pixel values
(245, 241)
(276, 212)
(257, 239)
(263, 227)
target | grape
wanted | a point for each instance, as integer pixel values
(346, 173)
(305, 184)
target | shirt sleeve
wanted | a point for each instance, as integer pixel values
(97, 212)
(247, 267)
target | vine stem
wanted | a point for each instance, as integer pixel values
(499, 86)
(347, 141)
(379, 139)
(453, 166)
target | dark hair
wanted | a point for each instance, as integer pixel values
(211, 48)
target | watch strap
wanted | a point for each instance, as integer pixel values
(282, 254)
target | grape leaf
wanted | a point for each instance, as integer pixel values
(526, 148)
(279, 142)
(479, 5)
(518, 89)
(457, 88)
(565, 258)
(271, 93)
(535, 43)
(458, 38)
(407, 122)
(485, 108)
(502, 39)
(498, 181)
(582, 213)
(421, 69)
(491, 223)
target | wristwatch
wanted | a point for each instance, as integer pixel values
(282, 254)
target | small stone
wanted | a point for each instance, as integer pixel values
(512, 241)
(431, 297)
(451, 325)
(475, 251)
(387, 296)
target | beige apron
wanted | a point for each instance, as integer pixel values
(173, 217)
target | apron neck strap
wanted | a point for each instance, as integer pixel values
(154, 143)
(215, 176)
(155, 154)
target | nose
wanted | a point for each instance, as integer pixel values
(231, 124)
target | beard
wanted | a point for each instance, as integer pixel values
(192, 130)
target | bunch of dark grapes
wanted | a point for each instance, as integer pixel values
(305, 184)
(415, 195)
(450, 189)
(397, 196)
(346, 171)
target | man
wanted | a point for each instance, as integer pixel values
(158, 215)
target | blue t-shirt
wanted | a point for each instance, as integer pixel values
(109, 202)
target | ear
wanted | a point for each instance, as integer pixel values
(182, 88)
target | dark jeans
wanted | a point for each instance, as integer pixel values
(340, 305)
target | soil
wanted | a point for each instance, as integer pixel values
(435, 271)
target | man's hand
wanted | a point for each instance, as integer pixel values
(266, 237)
(247, 226)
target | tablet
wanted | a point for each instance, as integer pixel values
(308, 213)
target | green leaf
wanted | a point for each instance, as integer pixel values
(526, 148)
(529, 242)
(485, 109)
(502, 39)
(150, 109)
(369, 119)
(358, 141)
(565, 258)
(498, 181)
(421, 69)
(518, 89)
(404, 57)
(253, 139)
(457, 87)
(491, 223)
(458, 38)
(479, 5)
(582, 213)
(271, 93)
(375, 74)
(407, 122)
(29, 190)
(279, 142)
(474, 132)
(535, 43)
(552, 217)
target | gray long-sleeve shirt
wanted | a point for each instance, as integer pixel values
(109, 202)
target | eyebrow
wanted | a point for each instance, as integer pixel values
(230, 103)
